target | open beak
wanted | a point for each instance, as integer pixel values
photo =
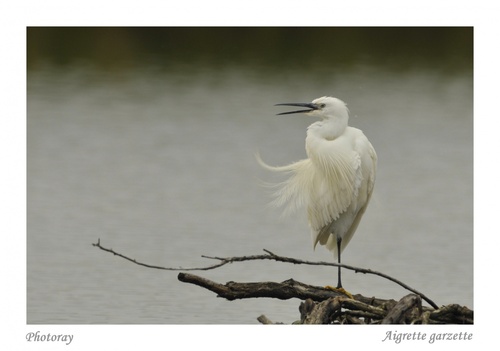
(309, 105)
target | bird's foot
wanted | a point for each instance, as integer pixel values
(340, 290)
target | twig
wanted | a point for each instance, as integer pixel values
(272, 256)
(98, 244)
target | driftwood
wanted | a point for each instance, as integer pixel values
(323, 305)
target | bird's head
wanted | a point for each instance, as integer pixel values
(323, 107)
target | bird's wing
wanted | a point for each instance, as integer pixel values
(352, 190)
(334, 187)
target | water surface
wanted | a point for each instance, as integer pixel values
(160, 166)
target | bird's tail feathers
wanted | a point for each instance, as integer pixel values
(289, 194)
(287, 168)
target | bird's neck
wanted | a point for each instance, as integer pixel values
(329, 128)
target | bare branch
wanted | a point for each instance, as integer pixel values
(285, 290)
(272, 256)
(98, 244)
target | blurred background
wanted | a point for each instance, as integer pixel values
(146, 139)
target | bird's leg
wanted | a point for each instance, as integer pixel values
(339, 287)
(339, 242)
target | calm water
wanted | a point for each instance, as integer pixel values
(161, 167)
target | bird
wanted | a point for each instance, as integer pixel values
(336, 180)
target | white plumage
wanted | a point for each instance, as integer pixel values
(336, 181)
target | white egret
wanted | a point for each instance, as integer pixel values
(335, 182)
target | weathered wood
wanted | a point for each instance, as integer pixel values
(283, 291)
(404, 311)
(325, 306)
(319, 313)
(264, 320)
(452, 314)
(408, 310)
(330, 311)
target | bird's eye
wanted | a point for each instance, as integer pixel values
(322, 105)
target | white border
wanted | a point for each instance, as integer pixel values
(17, 15)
